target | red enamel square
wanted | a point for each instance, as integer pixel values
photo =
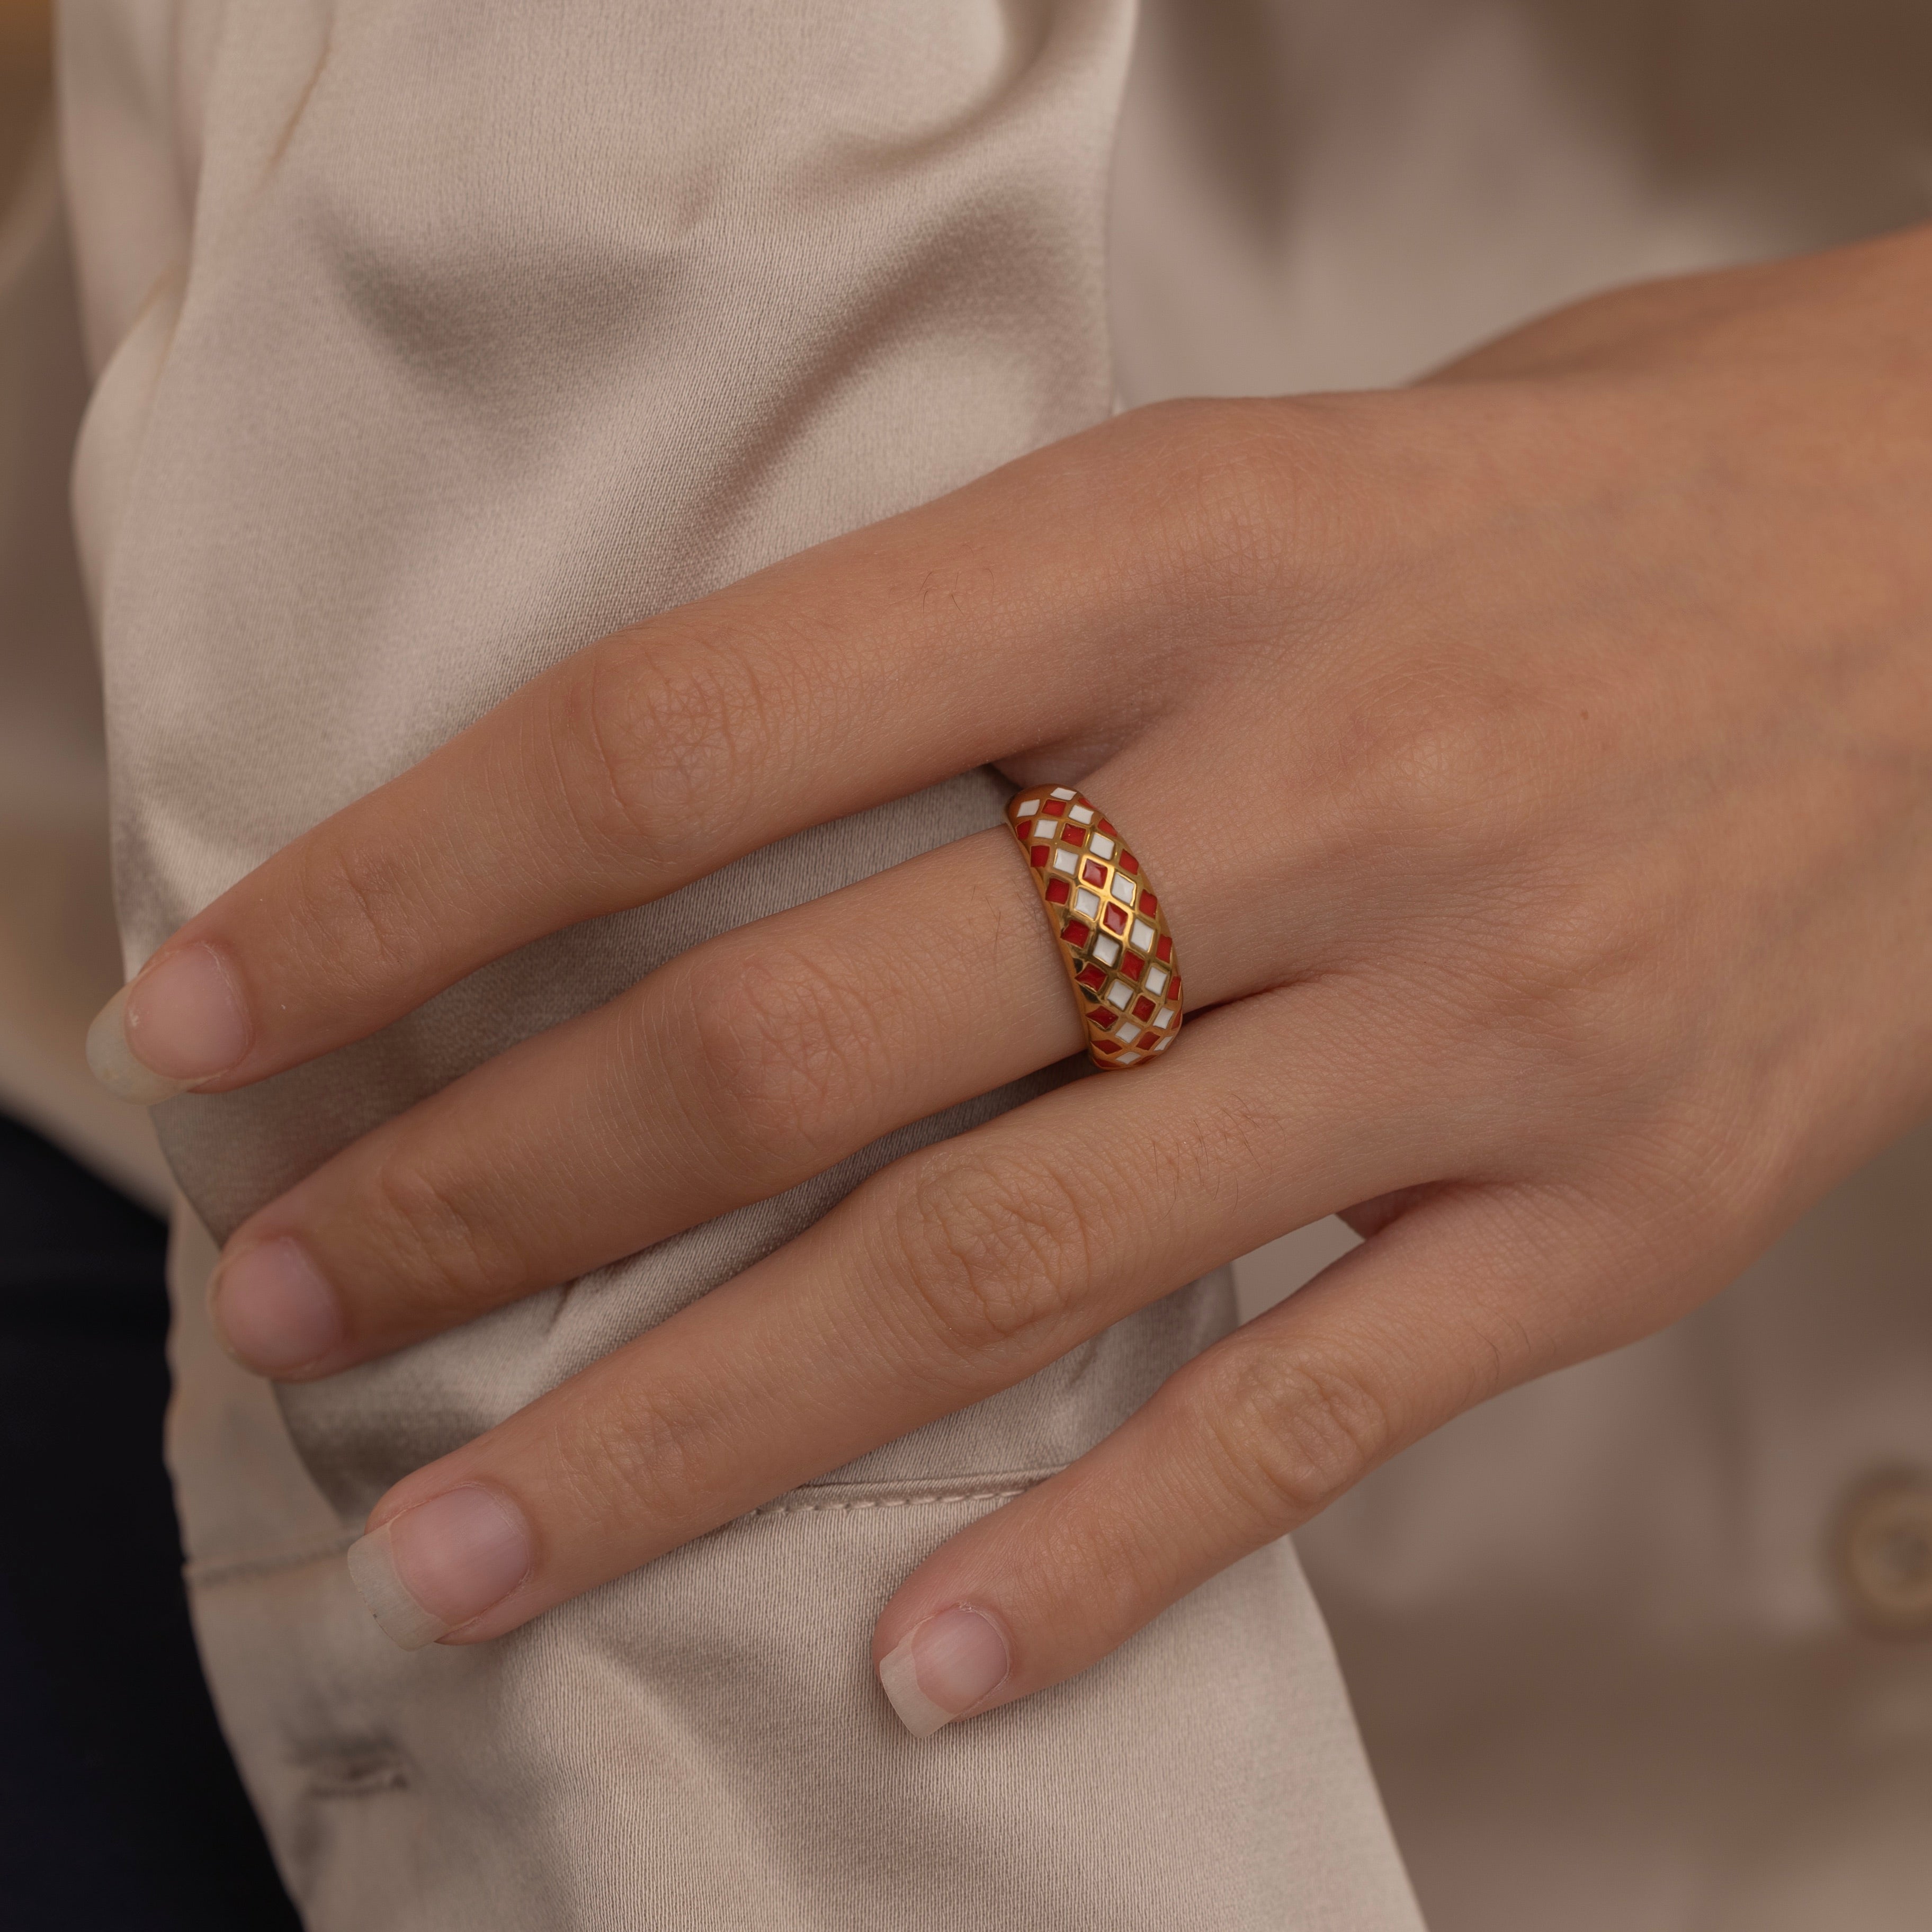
(1053, 807)
(1091, 976)
(1103, 1019)
(1074, 834)
(1106, 1046)
(1163, 949)
(1058, 891)
(1133, 966)
(1129, 863)
(1076, 932)
(1040, 854)
(1107, 830)
(1150, 905)
(1116, 919)
(1143, 1008)
(1093, 872)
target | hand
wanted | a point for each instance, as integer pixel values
(1537, 768)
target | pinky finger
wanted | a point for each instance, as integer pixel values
(1448, 1305)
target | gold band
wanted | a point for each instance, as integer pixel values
(1113, 936)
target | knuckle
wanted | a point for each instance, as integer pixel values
(1572, 992)
(1435, 773)
(782, 1048)
(1578, 946)
(1238, 504)
(362, 905)
(995, 1252)
(658, 736)
(437, 1236)
(1291, 1430)
(629, 1461)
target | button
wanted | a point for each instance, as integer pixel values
(1884, 1552)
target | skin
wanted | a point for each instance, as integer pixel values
(1575, 709)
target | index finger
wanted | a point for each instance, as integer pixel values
(850, 674)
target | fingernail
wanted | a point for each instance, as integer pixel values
(273, 1309)
(179, 1021)
(440, 1565)
(952, 1663)
(112, 1063)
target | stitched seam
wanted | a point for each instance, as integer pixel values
(895, 1502)
(209, 1575)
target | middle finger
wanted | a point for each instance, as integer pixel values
(743, 1068)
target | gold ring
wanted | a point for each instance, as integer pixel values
(1114, 940)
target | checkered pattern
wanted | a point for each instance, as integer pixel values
(1113, 936)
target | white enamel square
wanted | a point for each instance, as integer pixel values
(1119, 993)
(1064, 861)
(1156, 982)
(1061, 791)
(1081, 814)
(1164, 1017)
(1086, 903)
(1143, 936)
(1125, 1059)
(1123, 888)
(1031, 806)
(1162, 1045)
(1101, 846)
(1107, 950)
